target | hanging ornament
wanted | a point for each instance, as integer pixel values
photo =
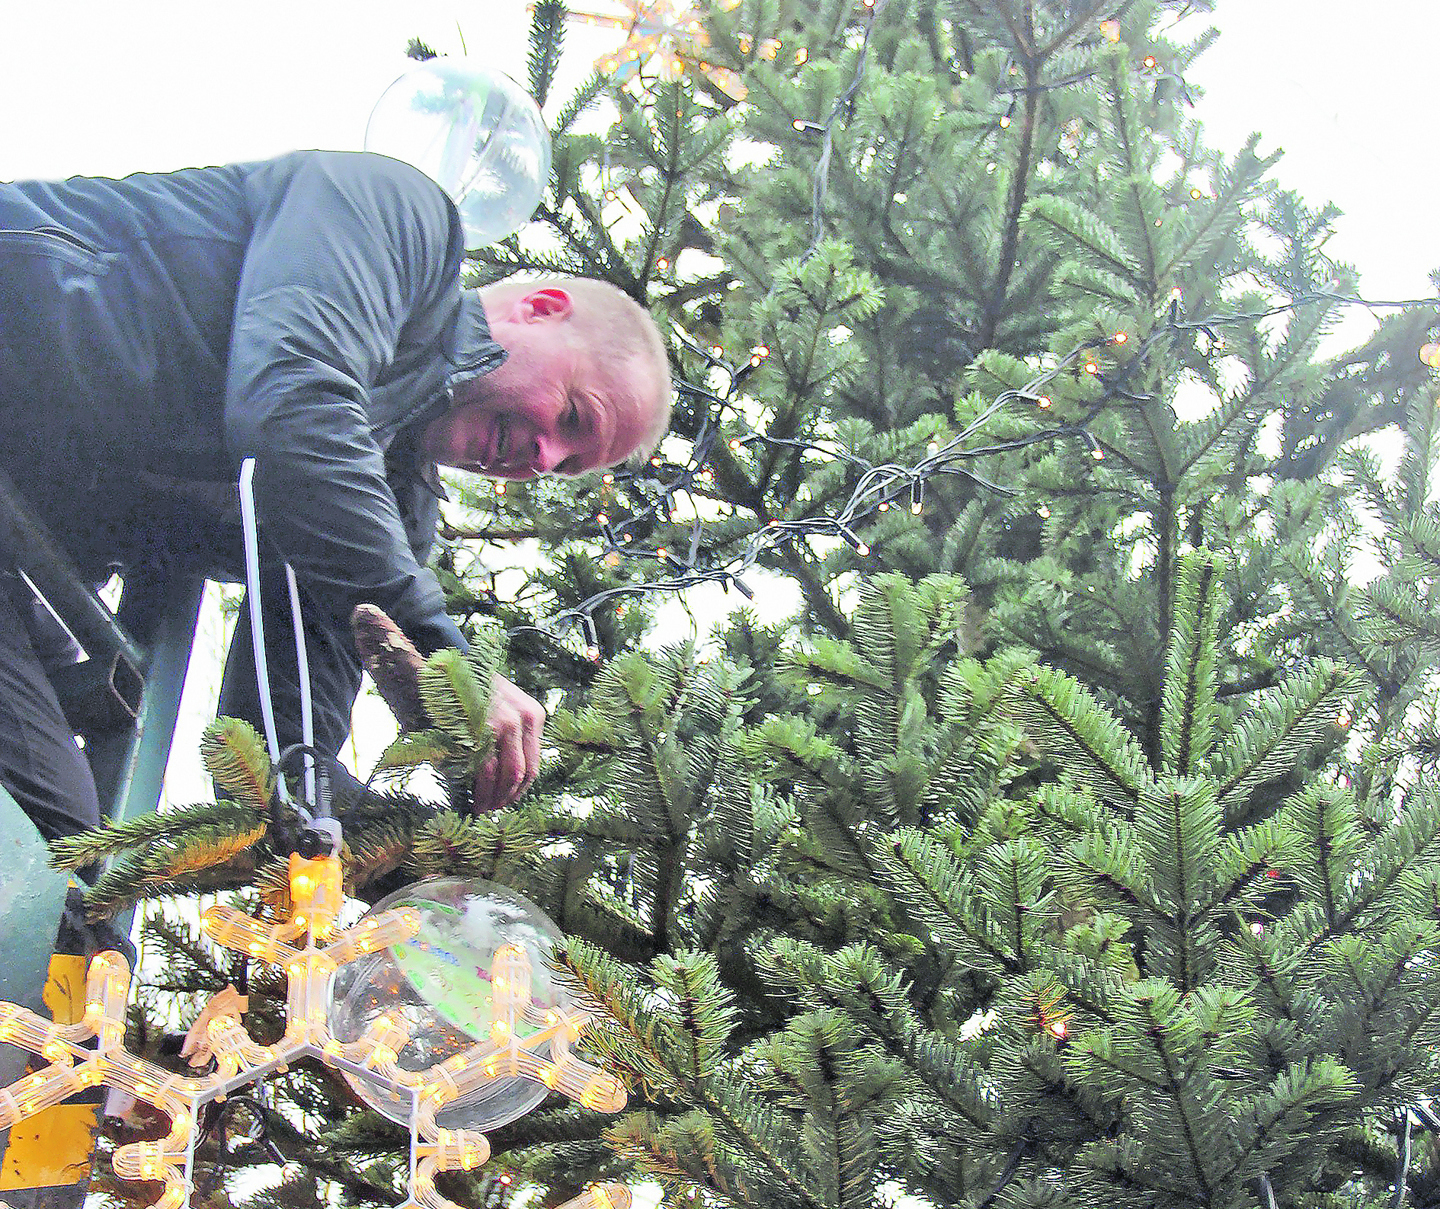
(473, 131)
(499, 1024)
(476, 970)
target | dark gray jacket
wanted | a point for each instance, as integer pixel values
(307, 310)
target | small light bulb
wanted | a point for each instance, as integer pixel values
(1120, 338)
(1430, 355)
(1091, 368)
(1043, 402)
(1151, 61)
(1098, 454)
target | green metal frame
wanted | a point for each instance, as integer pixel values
(128, 760)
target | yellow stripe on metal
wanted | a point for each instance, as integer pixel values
(52, 1148)
(64, 992)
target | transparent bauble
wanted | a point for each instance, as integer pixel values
(439, 983)
(473, 131)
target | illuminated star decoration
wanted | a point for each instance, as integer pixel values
(667, 36)
(316, 896)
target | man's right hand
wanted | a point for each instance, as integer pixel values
(517, 721)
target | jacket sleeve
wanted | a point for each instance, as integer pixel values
(349, 255)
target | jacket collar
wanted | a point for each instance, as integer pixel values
(469, 351)
(468, 347)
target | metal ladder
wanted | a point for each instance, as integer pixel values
(124, 699)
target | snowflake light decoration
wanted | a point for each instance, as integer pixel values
(666, 35)
(310, 951)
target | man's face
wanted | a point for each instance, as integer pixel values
(549, 409)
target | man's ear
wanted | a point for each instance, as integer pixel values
(549, 302)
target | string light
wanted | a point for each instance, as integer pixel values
(1430, 355)
(879, 483)
(875, 487)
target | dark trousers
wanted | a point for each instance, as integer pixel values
(40, 763)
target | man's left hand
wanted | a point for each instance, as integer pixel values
(517, 720)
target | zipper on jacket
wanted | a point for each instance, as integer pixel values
(474, 370)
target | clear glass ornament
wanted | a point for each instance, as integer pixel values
(476, 133)
(439, 984)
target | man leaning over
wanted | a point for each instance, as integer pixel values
(306, 311)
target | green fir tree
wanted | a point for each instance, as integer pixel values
(1074, 840)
